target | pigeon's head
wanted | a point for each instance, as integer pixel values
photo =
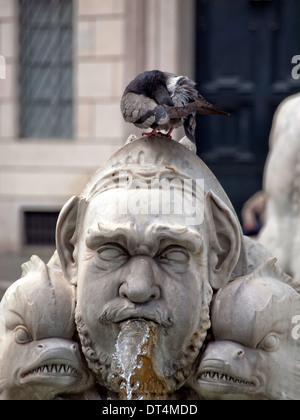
(153, 85)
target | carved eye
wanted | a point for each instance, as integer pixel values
(176, 258)
(175, 254)
(111, 256)
(108, 253)
(270, 342)
(22, 335)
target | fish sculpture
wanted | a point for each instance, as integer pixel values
(39, 359)
(256, 352)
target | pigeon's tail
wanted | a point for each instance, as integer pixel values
(211, 110)
(201, 106)
(205, 109)
(188, 112)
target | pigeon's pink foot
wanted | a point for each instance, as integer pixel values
(152, 133)
(169, 133)
(156, 133)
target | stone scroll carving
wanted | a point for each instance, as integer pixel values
(151, 272)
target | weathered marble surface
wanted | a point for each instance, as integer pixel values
(255, 354)
(39, 358)
(126, 300)
(281, 231)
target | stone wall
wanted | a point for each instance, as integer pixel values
(113, 41)
(41, 175)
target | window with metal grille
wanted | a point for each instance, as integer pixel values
(45, 65)
(39, 227)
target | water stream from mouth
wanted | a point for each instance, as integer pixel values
(131, 344)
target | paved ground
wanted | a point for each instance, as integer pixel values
(10, 264)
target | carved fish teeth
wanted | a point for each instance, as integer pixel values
(225, 378)
(53, 368)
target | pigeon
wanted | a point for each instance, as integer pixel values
(163, 101)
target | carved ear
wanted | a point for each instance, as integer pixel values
(224, 233)
(65, 229)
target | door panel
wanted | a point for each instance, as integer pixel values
(244, 53)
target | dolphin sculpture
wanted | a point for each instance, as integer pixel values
(255, 354)
(39, 359)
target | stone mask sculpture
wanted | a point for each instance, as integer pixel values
(144, 248)
(254, 355)
(147, 267)
(39, 359)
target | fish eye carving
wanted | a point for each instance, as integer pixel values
(22, 335)
(270, 342)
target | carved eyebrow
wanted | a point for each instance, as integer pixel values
(97, 236)
(183, 236)
(177, 235)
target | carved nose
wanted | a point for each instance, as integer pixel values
(52, 343)
(139, 285)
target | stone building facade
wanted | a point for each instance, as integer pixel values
(112, 41)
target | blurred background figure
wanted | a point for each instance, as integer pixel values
(281, 230)
(67, 63)
(253, 213)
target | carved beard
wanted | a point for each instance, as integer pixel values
(101, 364)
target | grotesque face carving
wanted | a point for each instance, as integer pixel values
(144, 284)
(136, 268)
(132, 264)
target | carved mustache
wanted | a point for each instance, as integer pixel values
(117, 312)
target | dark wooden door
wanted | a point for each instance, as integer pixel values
(244, 65)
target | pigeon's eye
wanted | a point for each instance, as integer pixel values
(22, 335)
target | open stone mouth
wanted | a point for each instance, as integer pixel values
(223, 378)
(50, 369)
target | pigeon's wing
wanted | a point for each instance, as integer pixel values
(182, 89)
(134, 106)
(142, 111)
(177, 112)
(185, 96)
(201, 106)
(188, 112)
